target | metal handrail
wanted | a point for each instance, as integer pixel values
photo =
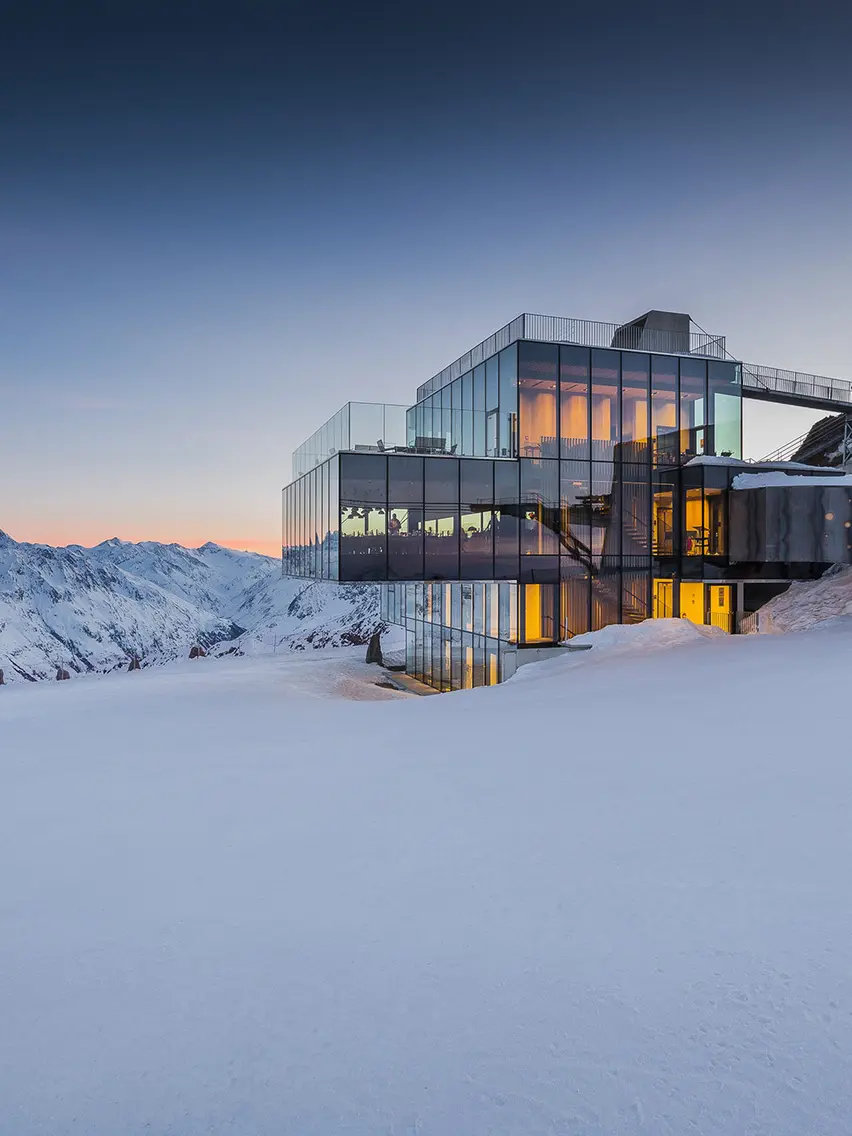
(585, 333)
(797, 384)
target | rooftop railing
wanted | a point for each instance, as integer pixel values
(585, 333)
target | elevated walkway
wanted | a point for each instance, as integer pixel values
(796, 388)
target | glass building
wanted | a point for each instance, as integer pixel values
(558, 478)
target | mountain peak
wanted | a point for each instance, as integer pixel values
(5, 540)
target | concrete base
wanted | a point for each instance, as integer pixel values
(408, 684)
(539, 654)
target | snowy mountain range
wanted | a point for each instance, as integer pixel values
(91, 609)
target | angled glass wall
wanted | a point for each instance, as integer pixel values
(367, 426)
(458, 635)
(476, 415)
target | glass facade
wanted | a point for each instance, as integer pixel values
(475, 415)
(458, 635)
(370, 426)
(544, 493)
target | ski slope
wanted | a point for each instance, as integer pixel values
(264, 895)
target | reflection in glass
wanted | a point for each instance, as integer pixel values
(635, 378)
(441, 481)
(363, 542)
(506, 520)
(693, 400)
(715, 520)
(576, 512)
(492, 377)
(605, 527)
(405, 542)
(334, 517)
(635, 516)
(664, 410)
(635, 596)
(467, 414)
(540, 507)
(574, 604)
(363, 478)
(663, 526)
(605, 408)
(574, 402)
(606, 600)
(405, 479)
(694, 523)
(725, 406)
(479, 410)
(537, 399)
(477, 527)
(441, 542)
(508, 427)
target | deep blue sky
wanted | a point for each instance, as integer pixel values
(219, 222)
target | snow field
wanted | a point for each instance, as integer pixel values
(613, 899)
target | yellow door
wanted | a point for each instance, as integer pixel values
(721, 606)
(663, 599)
(692, 602)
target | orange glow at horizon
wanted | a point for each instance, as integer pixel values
(87, 538)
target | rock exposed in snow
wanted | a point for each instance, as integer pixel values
(91, 609)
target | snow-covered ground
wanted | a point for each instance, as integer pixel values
(265, 896)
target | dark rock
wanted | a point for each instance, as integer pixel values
(374, 649)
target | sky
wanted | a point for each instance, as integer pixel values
(219, 222)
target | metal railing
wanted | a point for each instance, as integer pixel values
(797, 384)
(585, 333)
(750, 623)
(818, 439)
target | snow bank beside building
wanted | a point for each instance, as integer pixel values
(808, 604)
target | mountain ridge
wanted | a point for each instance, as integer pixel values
(91, 609)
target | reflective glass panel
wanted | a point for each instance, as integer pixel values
(664, 410)
(363, 478)
(540, 507)
(405, 479)
(693, 401)
(574, 605)
(477, 522)
(441, 542)
(725, 406)
(507, 511)
(635, 515)
(537, 399)
(363, 542)
(635, 424)
(576, 519)
(605, 407)
(574, 401)
(508, 427)
(605, 504)
(441, 481)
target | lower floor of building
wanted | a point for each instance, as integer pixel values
(463, 634)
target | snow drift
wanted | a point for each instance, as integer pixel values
(610, 902)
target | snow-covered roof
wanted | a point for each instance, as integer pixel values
(789, 480)
(743, 464)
